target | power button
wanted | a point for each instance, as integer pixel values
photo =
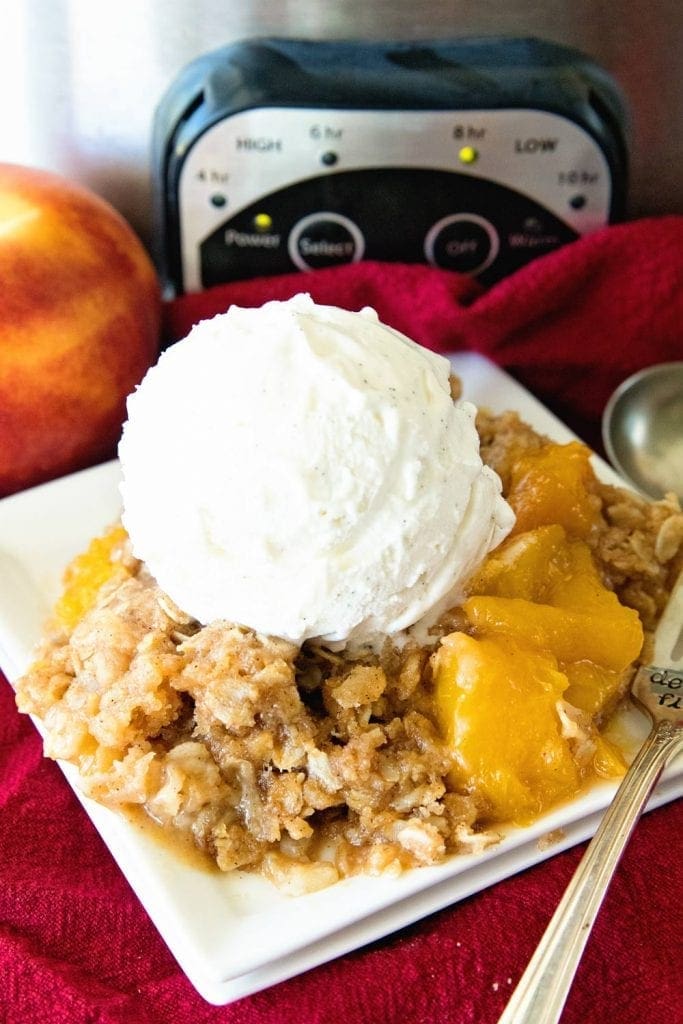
(324, 240)
(464, 242)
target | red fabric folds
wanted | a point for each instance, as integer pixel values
(75, 945)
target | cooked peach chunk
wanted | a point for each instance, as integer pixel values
(552, 484)
(545, 589)
(523, 565)
(545, 629)
(497, 703)
(86, 574)
(593, 688)
(613, 640)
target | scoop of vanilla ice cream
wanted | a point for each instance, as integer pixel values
(303, 470)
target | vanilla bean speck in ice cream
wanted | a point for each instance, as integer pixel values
(304, 471)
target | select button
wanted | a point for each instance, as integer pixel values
(463, 242)
(325, 240)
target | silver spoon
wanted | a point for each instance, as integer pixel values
(642, 429)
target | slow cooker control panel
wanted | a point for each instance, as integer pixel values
(274, 189)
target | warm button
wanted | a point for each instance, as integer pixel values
(463, 242)
(325, 240)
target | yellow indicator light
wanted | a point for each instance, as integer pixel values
(263, 221)
(468, 155)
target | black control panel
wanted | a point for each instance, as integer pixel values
(474, 155)
(493, 241)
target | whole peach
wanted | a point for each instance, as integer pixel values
(79, 325)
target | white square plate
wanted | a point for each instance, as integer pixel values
(235, 934)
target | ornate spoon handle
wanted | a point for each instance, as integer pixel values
(544, 986)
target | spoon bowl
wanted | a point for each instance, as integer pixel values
(642, 430)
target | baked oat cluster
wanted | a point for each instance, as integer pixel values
(309, 764)
(263, 752)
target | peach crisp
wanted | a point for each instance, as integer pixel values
(308, 763)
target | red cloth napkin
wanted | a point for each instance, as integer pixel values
(75, 945)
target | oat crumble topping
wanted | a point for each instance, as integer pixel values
(306, 764)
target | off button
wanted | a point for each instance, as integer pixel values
(463, 242)
(325, 240)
